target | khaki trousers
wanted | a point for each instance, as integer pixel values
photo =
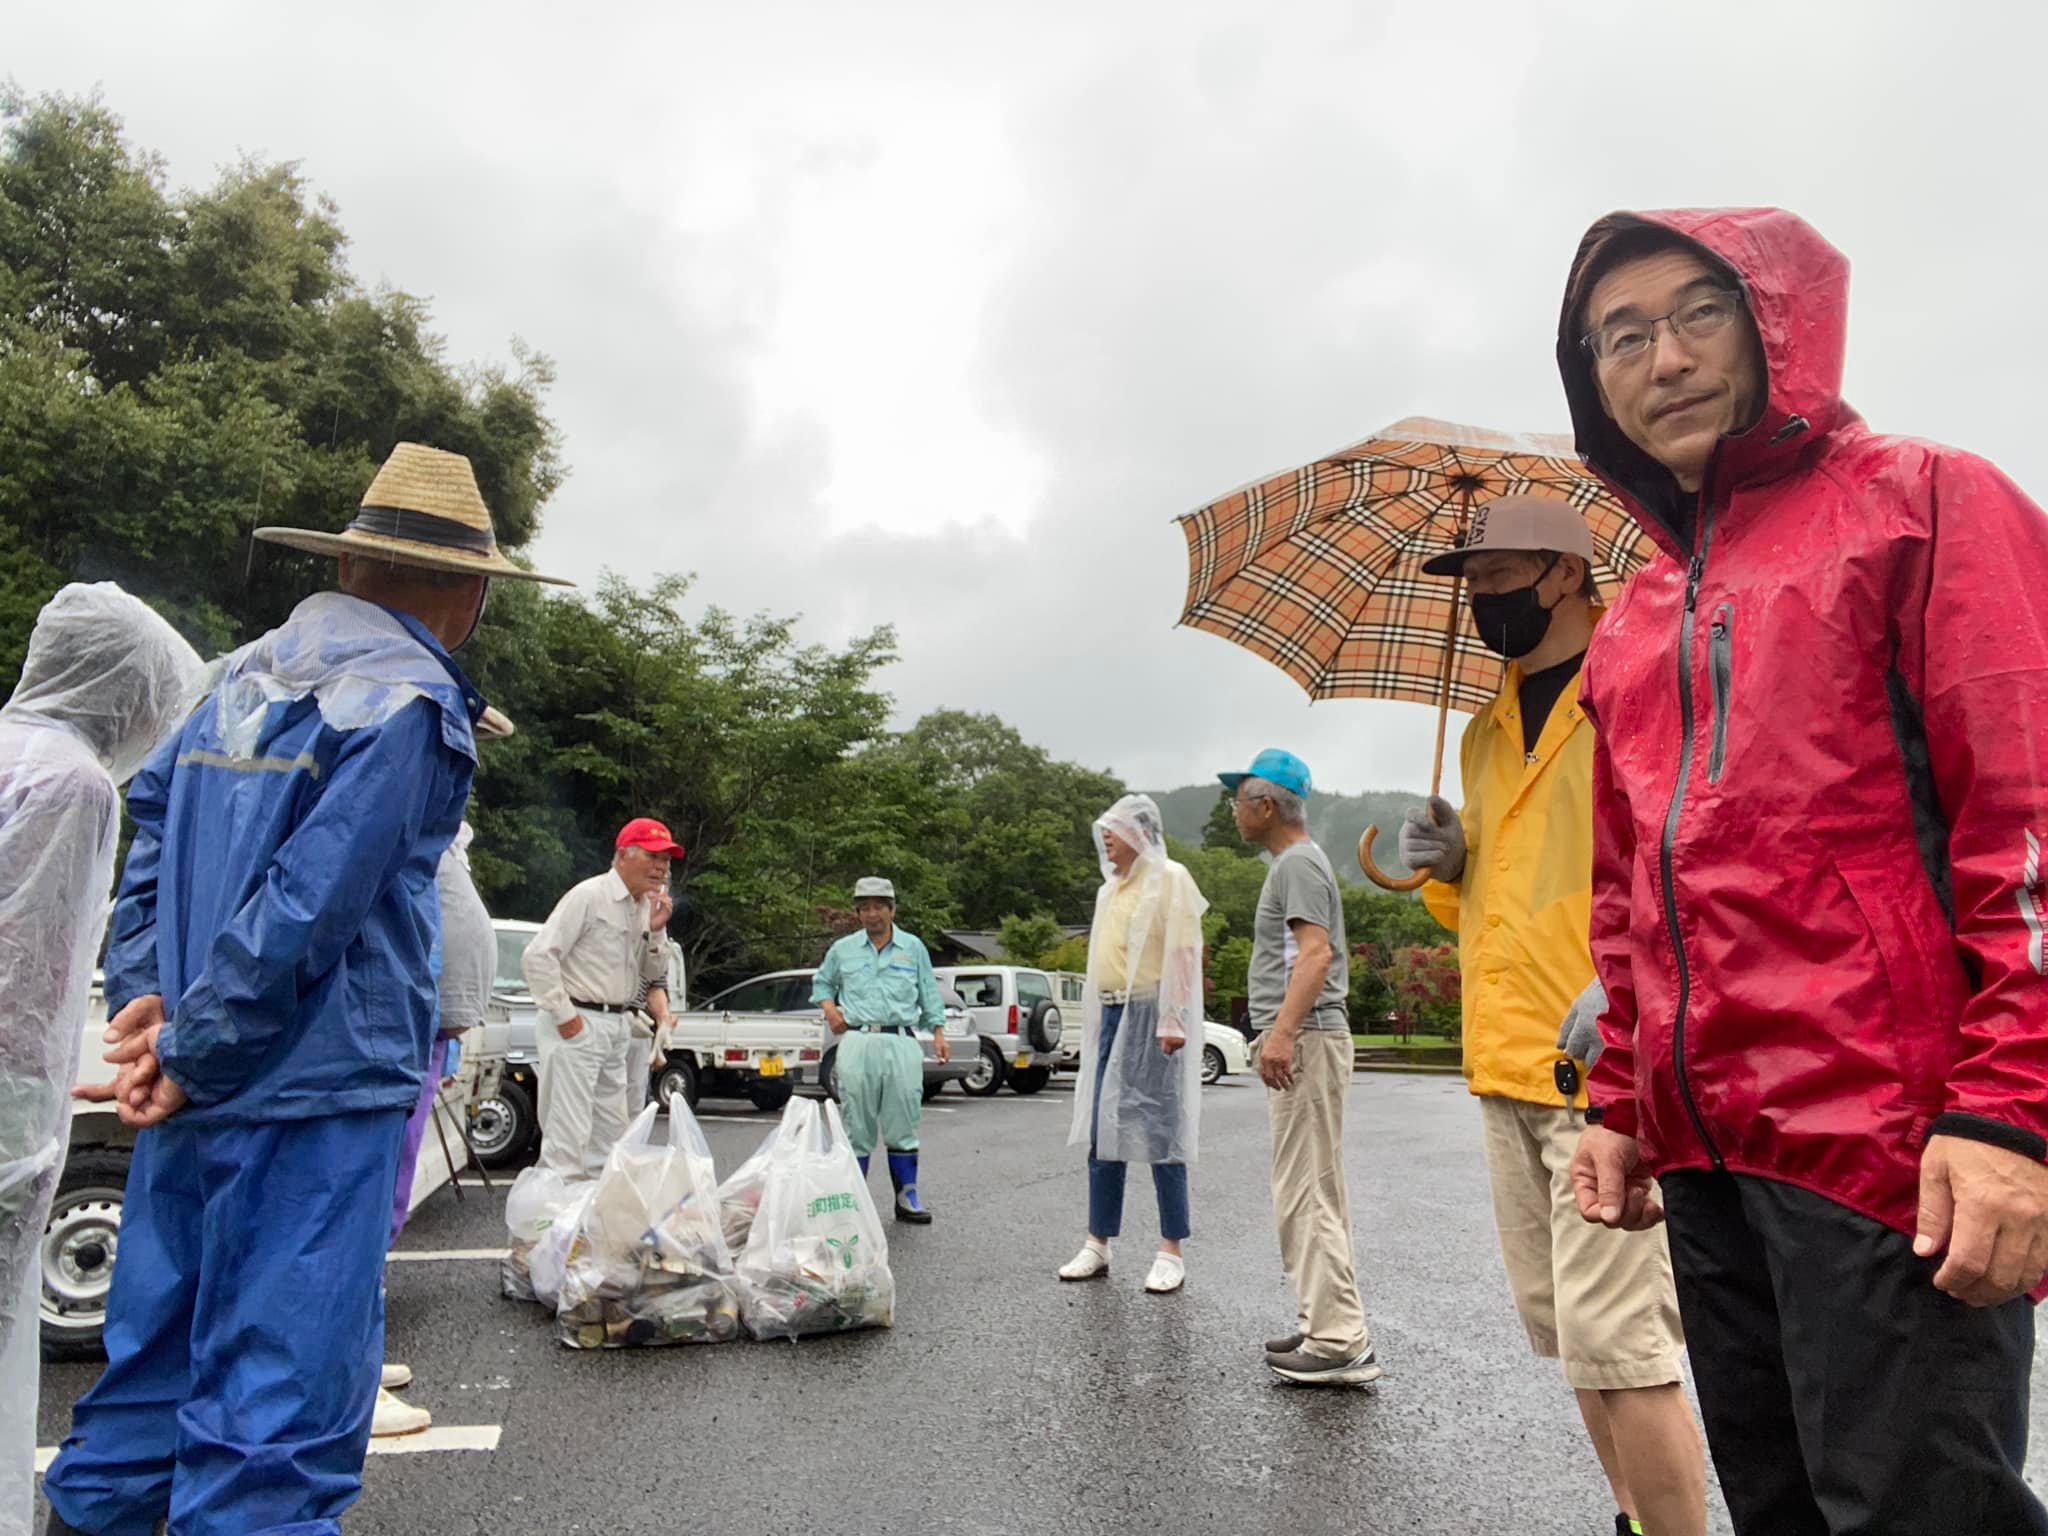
(1311, 1203)
(582, 1093)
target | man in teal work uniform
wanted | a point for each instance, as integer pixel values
(877, 987)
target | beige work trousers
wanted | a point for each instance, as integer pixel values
(582, 1093)
(1311, 1202)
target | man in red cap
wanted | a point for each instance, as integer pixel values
(605, 939)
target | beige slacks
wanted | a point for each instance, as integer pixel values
(1311, 1203)
(582, 1093)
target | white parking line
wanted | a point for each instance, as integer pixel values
(436, 1255)
(442, 1437)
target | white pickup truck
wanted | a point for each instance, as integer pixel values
(721, 1050)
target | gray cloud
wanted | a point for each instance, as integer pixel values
(1232, 243)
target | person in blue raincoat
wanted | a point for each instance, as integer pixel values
(273, 1009)
(877, 989)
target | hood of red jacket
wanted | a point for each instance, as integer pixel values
(1796, 287)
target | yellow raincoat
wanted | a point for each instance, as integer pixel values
(1523, 906)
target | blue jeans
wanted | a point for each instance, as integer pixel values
(1106, 1180)
(244, 1332)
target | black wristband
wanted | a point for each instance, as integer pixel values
(1991, 1132)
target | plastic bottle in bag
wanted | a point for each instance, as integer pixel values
(816, 1259)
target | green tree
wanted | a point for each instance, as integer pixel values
(1220, 830)
(1012, 823)
(176, 369)
(1028, 940)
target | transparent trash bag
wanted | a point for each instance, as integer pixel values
(739, 1197)
(539, 1200)
(816, 1260)
(646, 1262)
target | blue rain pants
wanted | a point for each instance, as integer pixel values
(245, 1331)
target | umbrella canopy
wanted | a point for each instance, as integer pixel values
(1319, 569)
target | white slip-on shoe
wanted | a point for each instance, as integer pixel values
(396, 1378)
(1091, 1263)
(1168, 1272)
(394, 1416)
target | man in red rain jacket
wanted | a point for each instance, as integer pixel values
(1821, 786)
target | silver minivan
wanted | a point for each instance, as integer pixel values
(1017, 1013)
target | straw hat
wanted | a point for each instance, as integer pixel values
(423, 509)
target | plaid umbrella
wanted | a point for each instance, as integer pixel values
(1319, 569)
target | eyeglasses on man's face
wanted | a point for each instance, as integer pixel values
(1629, 339)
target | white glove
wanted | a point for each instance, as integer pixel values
(1579, 1036)
(1433, 839)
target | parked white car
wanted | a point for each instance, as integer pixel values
(1223, 1049)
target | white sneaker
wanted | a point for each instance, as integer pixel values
(396, 1417)
(396, 1378)
(1168, 1272)
(1091, 1263)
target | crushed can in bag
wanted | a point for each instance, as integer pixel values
(646, 1263)
(816, 1260)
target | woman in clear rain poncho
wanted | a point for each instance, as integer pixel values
(105, 679)
(1141, 1057)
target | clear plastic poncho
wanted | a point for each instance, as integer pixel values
(104, 681)
(1142, 1105)
(469, 944)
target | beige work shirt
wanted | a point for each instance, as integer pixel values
(598, 944)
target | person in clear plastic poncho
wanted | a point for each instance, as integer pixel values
(105, 679)
(1139, 1098)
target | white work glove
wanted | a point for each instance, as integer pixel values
(1433, 839)
(1579, 1036)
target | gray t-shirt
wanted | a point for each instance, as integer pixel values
(1300, 887)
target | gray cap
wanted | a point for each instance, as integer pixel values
(1520, 523)
(873, 887)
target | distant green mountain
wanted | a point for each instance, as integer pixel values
(1336, 822)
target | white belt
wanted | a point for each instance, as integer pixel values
(1114, 999)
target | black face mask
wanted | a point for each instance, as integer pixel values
(1512, 624)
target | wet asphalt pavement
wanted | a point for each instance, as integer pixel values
(1004, 1401)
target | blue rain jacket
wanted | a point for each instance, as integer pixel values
(279, 894)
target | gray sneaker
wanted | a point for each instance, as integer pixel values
(1323, 1371)
(1286, 1344)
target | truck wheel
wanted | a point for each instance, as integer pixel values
(987, 1077)
(1212, 1064)
(77, 1253)
(1030, 1079)
(504, 1125)
(933, 1087)
(1043, 1030)
(678, 1080)
(828, 1074)
(771, 1095)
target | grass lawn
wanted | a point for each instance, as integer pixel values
(1415, 1041)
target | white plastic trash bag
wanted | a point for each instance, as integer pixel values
(739, 1197)
(816, 1260)
(538, 1201)
(646, 1263)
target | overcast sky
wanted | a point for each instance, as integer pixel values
(936, 315)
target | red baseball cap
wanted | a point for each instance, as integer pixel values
(646, 832)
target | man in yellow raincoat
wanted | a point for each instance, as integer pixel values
(1512, 877)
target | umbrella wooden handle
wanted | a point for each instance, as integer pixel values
(1373, 872)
